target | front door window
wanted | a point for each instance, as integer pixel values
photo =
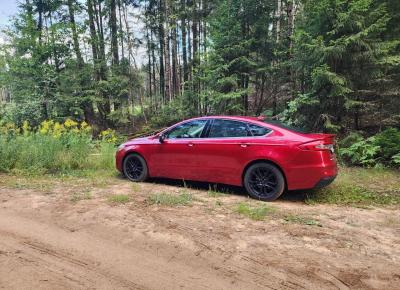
(191, 129)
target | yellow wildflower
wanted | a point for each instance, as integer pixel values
(26, 128)
(58, 129)
(70, 123)
(46, 127)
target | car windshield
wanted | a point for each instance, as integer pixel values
(288, 127)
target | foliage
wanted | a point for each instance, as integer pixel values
(340, 55)
(168, 115)
(108, 136)
(362, 152)
(326, 65)
(383, 148)
(52, 147)
(389, 143)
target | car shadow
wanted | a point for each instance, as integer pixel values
(291, 196)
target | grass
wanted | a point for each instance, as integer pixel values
(14, 182)
(77, 196)
(213, 192)
(119, 198)
(360, 187)
(254, 212)
(41, 162)
(35, 153)
(296, 219)
(167, 199)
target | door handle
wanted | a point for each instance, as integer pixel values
(244, 145)
(190, 144)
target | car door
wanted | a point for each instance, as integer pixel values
(226, 148)
(176, 156)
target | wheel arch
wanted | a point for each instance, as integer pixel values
(133, 151)
(261, 160)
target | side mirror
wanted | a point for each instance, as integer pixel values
(161, 138)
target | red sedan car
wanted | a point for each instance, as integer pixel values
(264, 156)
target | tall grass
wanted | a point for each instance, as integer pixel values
(53, 148)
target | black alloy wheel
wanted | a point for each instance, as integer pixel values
(264, 181)
(135, 167)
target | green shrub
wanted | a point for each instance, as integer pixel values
(350, 139)
(382, 148)
(53, 148)
(361, 152)
(389, 143)
(396, 159)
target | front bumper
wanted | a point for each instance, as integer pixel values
(119, 156)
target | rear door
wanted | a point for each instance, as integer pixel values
(225, 149)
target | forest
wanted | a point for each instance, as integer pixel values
(140, 65)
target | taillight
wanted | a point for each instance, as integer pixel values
(318, 146)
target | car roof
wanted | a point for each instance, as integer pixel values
(242, 118)
(255, 120)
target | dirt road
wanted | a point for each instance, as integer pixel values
(51, 240)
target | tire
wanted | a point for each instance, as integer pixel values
(264, 181)
(135, 168)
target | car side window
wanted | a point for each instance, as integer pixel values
(228, 128)
(191, 129)
(258, 130)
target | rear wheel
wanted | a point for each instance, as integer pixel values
(264, 181)
(135, 168)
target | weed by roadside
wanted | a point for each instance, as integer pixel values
(351, 194)
(213, 192)
(360, 187)
(253, 212)
(77, 196)
(119, 198)
(170, 199)
(296, 219)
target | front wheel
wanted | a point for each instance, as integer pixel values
(134, 167)
(264, 181)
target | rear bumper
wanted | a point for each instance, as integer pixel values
(311, 176)
(325, 182)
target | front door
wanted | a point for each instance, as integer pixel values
(177, 156)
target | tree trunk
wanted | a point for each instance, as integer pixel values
(40, 20)
(184, 45)
(153, 56)
(161, 52)
(150, 77)
(114, 32)
(93, 34)
(278, 19)
(77, 50)
(121, 30)
(195, 61)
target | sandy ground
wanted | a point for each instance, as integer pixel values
(48, 240)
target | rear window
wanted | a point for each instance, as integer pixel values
(228, 128)
(258, 130)
(288, 127)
